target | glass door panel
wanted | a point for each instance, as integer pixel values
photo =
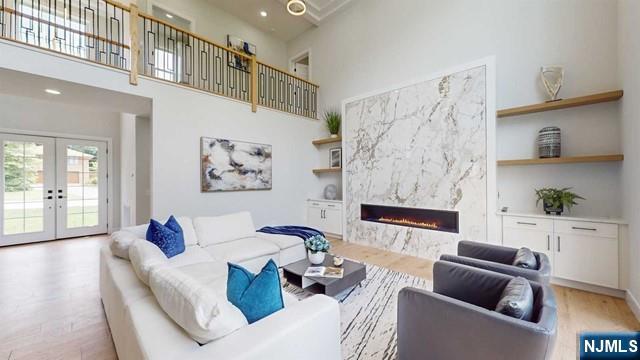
(82, 190)
(28, 164)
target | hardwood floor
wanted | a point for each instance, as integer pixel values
(50, 303)
(578, 310)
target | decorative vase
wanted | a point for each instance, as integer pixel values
(552, 79)
(550, 209)
(330, 192)
(549, 142)
(333, 136)
(316, 258)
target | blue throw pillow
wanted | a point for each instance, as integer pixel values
(257, 296)
(168, 237)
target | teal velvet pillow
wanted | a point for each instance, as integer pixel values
(257, 296)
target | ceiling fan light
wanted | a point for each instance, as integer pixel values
(296, 7)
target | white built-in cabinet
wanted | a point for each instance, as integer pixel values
(583, 251)
(325, 215)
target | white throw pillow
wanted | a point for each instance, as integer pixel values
(194, 306)
(144, 256)
(188, 231)
(220, 229)
(120, 243)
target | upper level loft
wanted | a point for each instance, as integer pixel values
(120, 36)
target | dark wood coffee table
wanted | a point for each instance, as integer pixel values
(354, 273)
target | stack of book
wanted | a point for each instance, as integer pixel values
(325, 272)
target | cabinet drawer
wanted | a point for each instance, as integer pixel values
(586, 228)
(332, 206)
(519, 222)
(324, 205)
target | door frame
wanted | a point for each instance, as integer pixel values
(109, 142)
(298, 56)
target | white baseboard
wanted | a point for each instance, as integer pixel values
(633, 304)
(588, 287)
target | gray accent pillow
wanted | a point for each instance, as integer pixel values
(525, 259)
(517, 299)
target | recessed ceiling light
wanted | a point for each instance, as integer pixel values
(52, 91)
(169, 16)
(296, 7)
(263, 13)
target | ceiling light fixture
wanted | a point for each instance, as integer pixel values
(52, 91)
(169, 16)
(263, 13)
(296, 7)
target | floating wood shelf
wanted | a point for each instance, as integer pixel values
(562, 104)
(325, 171)
(328, 140)
(563, 160)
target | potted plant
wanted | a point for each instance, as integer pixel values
(317, 246)
(555, 200)
(333, 119)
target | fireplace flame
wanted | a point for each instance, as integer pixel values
(408, 222)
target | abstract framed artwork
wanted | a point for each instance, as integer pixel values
(229, 165)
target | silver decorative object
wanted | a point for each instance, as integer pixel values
(552, 79)
(330, 192)
(549, 145)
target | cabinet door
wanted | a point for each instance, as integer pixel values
(585, 258)
(533, 233)
(314, 217)
(333, 221)
(536, 240)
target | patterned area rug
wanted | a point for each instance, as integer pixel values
(368, 313)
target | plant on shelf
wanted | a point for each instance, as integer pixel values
(555, 200)
(317, 247)
(333, 119)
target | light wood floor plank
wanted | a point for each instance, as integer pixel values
(578, 310)
(50, 304)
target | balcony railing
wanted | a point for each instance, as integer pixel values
(117, 35)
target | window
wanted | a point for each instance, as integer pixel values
(165, 65)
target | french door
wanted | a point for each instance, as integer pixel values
(52, 188)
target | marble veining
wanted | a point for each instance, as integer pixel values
(422, 146)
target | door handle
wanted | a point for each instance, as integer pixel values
(583, 228)
(50, 197)
(61, 196)
(526, 223)
(558, 243)
(548, 242)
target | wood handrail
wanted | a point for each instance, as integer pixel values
(118, 4)
(288, 74)
(39, 20)
(199, 37)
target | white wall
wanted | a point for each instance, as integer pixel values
(375, 44)
(214, 23)
(180, 117)
(143, 170)
(128, 184)
(24, 113)
(629, 12)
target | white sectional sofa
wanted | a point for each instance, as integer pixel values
(308, 329)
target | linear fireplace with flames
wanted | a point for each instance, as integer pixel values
(429, 219)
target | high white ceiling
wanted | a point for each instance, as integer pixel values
(28, 85)
(279, 22)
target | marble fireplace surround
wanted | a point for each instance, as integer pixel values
(427, 144)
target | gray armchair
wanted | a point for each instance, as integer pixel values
(457, 320)
(499, 259)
